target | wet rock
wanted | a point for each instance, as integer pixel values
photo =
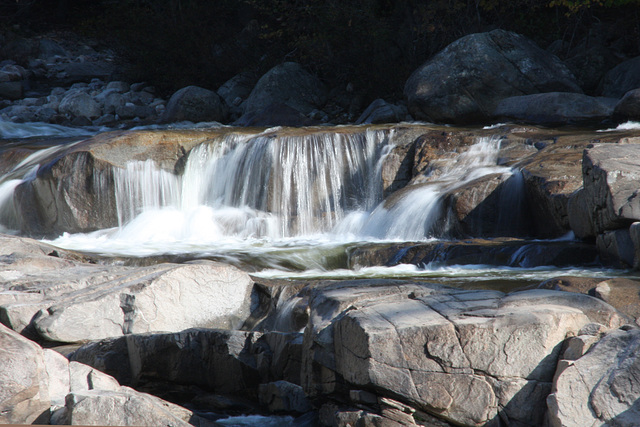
(283, 396)
(195, 104)
(621, 79)
(74, 191)
(487, 67)
(601, 386)
(463, 356)
(616, 247)
(289, 84)
(504, 252)
(555, 108)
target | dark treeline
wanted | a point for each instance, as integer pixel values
(372, 44)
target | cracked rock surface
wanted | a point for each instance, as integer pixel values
(468, 357)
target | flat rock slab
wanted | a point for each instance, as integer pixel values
(67, 300)
(467, 357)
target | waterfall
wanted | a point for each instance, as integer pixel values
(259, 186)
(417, 212)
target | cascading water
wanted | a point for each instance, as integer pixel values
(416, 212)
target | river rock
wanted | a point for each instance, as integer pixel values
(195, 104)
(609, 195)
(160, 298)
(622, 78)
(498, 251)
(466, 81)
(279, 114)
(628, 108)
(467, 357)
(235, 91)
(80, 104)
(290, 84)
(555, 108)
(599, 388)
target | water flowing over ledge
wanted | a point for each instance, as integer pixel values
(278, 199)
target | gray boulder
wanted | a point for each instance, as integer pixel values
(160, 298)
(289, 84)
(555, 108)
(621, 79)
(467, 357)
(41, 386)
(628, 108)
(195, 104)
(466, 81)
(235, 91)
(600, 387)
(79, 104)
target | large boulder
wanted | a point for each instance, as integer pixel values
(467, 357)
(601, 386)
(608, 199)
(621, 79)
(195, 104)
(464, 82)
(160, 298)
(289, 84)
(555, 108)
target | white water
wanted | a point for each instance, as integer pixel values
(265, 195)
(280, 203)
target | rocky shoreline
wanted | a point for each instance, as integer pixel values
(180, 340)
(481, 78)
